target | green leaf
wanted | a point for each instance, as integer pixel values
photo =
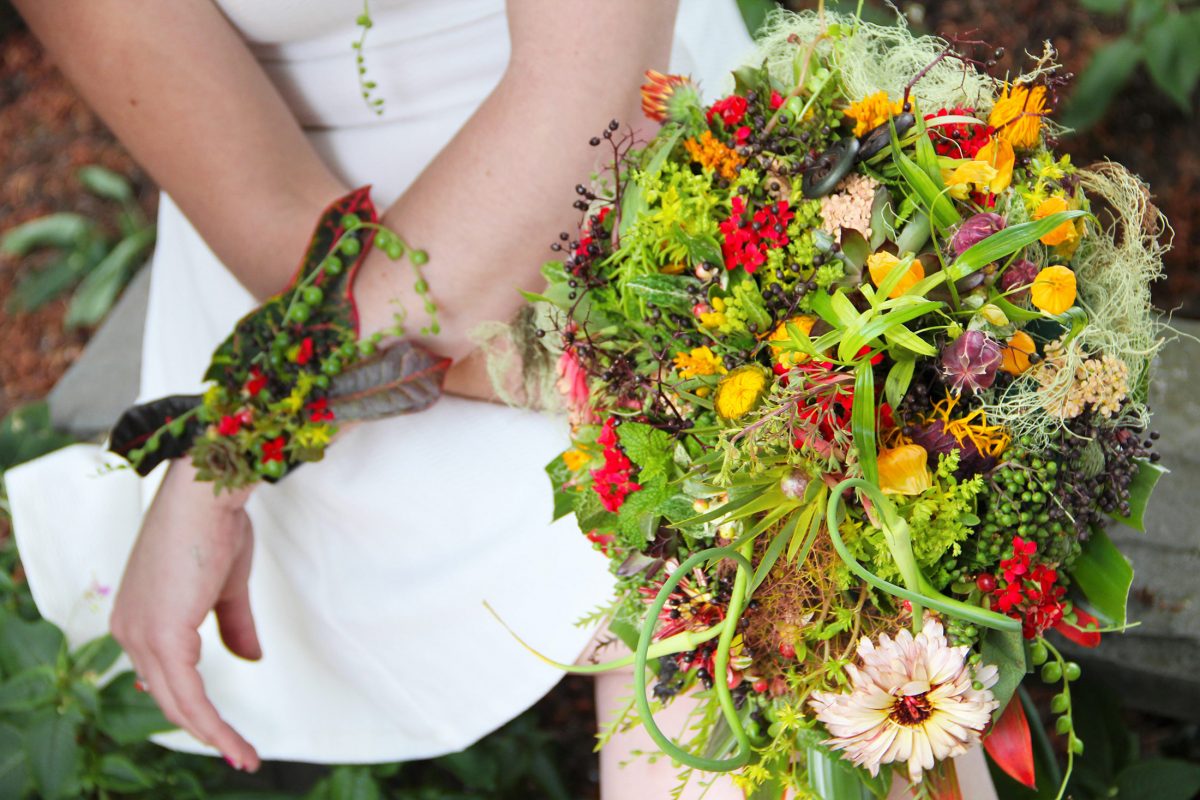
(667, 291)
(47, 283)
(1173, 57)
(118, 774)
(1160, 778)
(754, 12)
(855, 248)
(99, 290)
(14, 766)
(1104, 576)
(105, 183)
(65, 230)
(54, 754)
(126, 714)
(353, 783)
(1104, 6)
(633, 203)
(862, 421)
(832, 778)
(25, 434)
(927, 189)
(1006, 650)
(564, 498)
(998, 246)
(1108, 70)
(27, 690)
(703, 249)
(898, 379)
(26, 645)
(1140, 490)
(96, 656)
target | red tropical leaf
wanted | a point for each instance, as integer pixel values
(1077, 633)
(1010, 745)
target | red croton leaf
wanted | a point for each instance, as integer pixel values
(1010, 745)
(1078, 633)
(942, 782)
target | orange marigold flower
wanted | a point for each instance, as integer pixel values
(904, 470)
(881, 264)
(712, 154)
(700, 361)
(1063, 233)
(872, 111)
(740, 391)
(1017, 115)
(1016, 352)
(1053, 290)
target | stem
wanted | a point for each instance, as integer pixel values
(728, 628)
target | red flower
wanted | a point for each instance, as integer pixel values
(776, 100)
(960, 140)
(1030, 592)
(305, 353)
(614, 481)
(256, 383)
(273, 450)
(745, 243)
(741, 135)
(319, 411)
(732, 110)
(232, 423)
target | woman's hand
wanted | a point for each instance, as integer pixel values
(192, 557)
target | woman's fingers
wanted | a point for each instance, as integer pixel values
(197, 715)
(234, 616)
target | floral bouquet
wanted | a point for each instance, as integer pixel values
(856, 367)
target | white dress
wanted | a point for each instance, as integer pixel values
(371, 568)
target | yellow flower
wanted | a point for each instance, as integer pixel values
(881, 264)
(1017, 115)
(739, 392)
(1063, 233)
(998, 154)
(872, 111)
(1016, 353)
(716, 317)
(700, 361)
(712, 154)
(313, 435)
(968, 175)
(1053, 290)
(294, 401)
(575, 459)
(790, 358)
(904, 470)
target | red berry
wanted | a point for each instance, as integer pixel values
(787, 650)
(986, 583)
(760, 686)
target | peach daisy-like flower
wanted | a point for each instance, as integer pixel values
(912, 700)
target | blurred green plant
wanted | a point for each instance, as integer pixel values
(89, 259)
(1162, 34)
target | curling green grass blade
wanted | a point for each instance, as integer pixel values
(941, 209)
(1003, 244)
(862, 421)
(900, 336)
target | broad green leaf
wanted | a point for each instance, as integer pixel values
(355, 783)
(63, 230)
(14, 767)
(703, 249)
(900, 336)
(27, 690)
(25, 645)
(105, 183)
(855, 248)
(833, 778)
(1139, 493)
(98, 291)
(1104, 576)
(845, 311)
(862, 421)
(1161, 779)
(48, 282)
(1173, 56)
(1006, 650)
(666, 291)
(1105, 75)
(126, 714)
(118, 774)
(54, 755)
(96, 656)
(898, 379)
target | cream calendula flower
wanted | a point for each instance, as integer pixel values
(913, 699)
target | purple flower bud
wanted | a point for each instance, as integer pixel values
(1020, 275)
(937, 441)
(969, 363)
(975, 230)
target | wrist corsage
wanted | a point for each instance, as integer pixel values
(294, 368)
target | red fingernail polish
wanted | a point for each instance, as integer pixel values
(232, 763)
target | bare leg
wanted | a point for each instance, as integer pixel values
(624, 776)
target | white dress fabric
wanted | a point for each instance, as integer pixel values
(371, 568)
